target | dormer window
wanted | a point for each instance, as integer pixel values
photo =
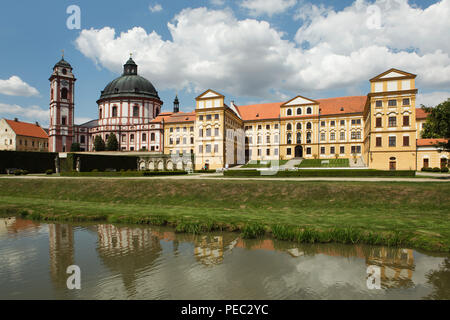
(64, 71)
(116, 90)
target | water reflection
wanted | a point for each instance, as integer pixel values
(156, 263)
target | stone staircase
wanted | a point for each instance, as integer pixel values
(291, 164)
(359, 163)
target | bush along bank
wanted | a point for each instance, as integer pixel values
(253, 230)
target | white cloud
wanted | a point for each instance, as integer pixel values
(432, 99)
(333, 50)
(267, 7)
(217, 2)
(14, 86)
(156, 8)
(32, 113)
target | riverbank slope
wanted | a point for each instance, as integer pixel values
(385, 213)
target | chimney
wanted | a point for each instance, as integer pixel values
(37, 123)
(16, 119)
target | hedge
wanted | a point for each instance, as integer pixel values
(33, 162)
(122, 173)
(323, 173)
(89, 162)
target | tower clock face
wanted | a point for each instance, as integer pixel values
(65, 83)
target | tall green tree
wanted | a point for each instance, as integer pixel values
(99, 144)
(438, 123)
(112, 144)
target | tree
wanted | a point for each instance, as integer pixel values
(75, 147)
(438, 123)
(99, 144)
(112, 144)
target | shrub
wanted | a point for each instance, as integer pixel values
(49, 171)
(444, 169)
(436, 169)
(94, 170)
(24, 172)
(323, 173)
(18, 172)
(33, 162)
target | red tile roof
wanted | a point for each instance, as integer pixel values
(429, 142)
(170, 117)
(27, 129)
(161, 116)
(260, 111)
(342, 105)
(331, 106)
(421, 114)
(180, 117)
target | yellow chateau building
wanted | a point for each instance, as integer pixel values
(379, 131)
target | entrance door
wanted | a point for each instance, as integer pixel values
(299, 152)
(392, 165)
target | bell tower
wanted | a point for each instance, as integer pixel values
(62, 92)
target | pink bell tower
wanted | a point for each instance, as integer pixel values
(62, 103)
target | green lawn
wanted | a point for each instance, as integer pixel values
(320, 163)
(405, 214)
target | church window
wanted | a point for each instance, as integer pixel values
(64, 93)
(136, 111)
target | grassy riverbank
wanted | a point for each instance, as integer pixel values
(401, 214)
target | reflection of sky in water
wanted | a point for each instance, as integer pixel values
(150, 263)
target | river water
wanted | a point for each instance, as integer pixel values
(142, 262)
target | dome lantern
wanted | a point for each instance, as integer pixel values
(130, 67)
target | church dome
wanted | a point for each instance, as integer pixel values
(63, 63)
(130, 84)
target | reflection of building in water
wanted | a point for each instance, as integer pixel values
(209, 250)
(15, 225)
(127, 251)
(61, 245)
(397, 266)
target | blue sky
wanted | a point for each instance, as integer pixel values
(249, 50)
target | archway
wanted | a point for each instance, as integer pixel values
(299, 152)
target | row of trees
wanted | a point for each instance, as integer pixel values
(438, 123)
(99, 144)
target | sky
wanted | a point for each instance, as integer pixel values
(251, 51)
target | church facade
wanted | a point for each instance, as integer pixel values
(381, 130)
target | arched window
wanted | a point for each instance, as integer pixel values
(157, 112)
(299, 138)
(308, 137)
(144, 137)
(82, 139)
(299, 126)
(114, 111)
(64, 71)
(289, 112)
(308, 126)
(131, 137)
(299, 111)
(64, 93)
(289, 127)
(99, 113)
(309, 110)
(136, 111)
(152, 136)
(289, 138)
